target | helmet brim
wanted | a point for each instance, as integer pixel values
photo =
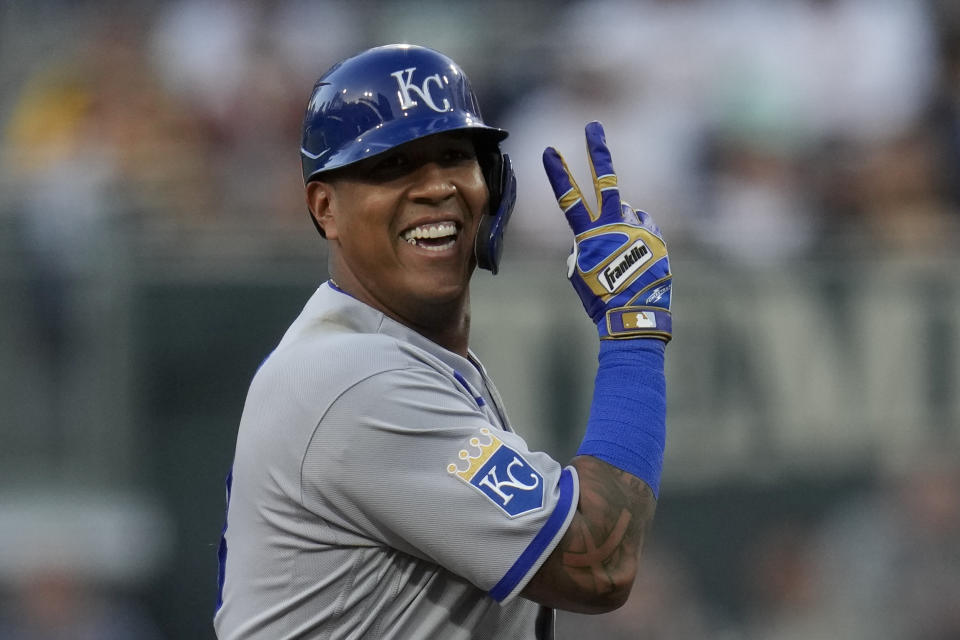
(397, 132)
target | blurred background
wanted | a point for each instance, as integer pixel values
(801, 156)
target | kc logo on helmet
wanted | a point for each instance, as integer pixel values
(422, 90)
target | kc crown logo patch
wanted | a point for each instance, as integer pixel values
(501, 474)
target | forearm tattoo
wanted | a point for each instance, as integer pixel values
(605, 537)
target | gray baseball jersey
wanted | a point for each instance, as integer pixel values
(378, 491)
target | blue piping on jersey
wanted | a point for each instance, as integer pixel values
(263, 362)
(336, 287)
(479, 399)
(540, 542)
(222, 550)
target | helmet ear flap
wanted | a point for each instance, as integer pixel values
(502, 184)
(491, 165)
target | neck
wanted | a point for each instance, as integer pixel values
(446, 323)
(453, 334)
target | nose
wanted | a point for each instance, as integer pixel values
(432, 184)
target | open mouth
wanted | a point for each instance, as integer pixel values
(436, 236)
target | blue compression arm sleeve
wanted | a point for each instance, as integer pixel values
(627, 426)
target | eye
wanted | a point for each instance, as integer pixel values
(394, 164)
(459, 153)
(392, 161)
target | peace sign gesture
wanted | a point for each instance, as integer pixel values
(619, 265)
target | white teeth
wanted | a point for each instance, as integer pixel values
(436, 230)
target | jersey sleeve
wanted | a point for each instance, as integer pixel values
(409, 459)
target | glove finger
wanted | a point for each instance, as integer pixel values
(647, 222)
(628, 215)
(566, 191)
(604, 178)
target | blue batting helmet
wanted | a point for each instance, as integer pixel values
(394, 94)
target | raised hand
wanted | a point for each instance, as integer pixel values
(619, 265)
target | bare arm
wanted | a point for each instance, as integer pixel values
(594, 565)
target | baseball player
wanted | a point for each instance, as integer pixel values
(378, 489)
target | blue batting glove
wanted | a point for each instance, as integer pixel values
(619, 265)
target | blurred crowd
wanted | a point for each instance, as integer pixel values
(883, 562)
(759, 131)
(756, 131)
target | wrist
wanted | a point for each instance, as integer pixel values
(624, 352)
(627, 425)
(635, 322)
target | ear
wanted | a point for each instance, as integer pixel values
(320, 202)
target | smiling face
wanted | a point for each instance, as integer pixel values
(402, 227)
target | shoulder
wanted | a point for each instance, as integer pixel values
(325, 364)
(298, 384)
(337, 336)
(331, 349)
(339, 348)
